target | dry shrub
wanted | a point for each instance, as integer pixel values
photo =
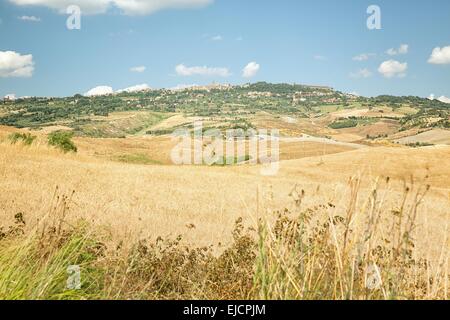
(166, 269)
(323, 252)
(326, 253)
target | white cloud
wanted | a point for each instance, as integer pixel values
(107, 90)
(361, 73)
(391, 52)
(13, 64)
(319, 57)
(440, 56)
(217, 38)
(99, 91)
(403, 49)
(87, 6)
(137, 88)
(185, 71)
(444, 99)
(139, 7)
(393, 68)
(29, 18)
(363, 57)
(129, 7)
(250, 70)
(138, 69)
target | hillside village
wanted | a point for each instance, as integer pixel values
(313, 110)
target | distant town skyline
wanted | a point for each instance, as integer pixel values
(130, 46)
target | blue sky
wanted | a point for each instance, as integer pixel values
(311, 42)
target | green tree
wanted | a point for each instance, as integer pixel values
(62, 140)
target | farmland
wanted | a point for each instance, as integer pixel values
(367, 175)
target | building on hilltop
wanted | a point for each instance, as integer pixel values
(9, 98)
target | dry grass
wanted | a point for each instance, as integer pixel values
(304, 253)
(132, 206)
(435, 136)
(328, 252)
(380, 128)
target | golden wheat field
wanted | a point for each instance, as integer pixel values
(216, 151)
(134, 201)
(158, 200)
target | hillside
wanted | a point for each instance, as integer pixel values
(294, 109)
(362, 184)
(150, 197)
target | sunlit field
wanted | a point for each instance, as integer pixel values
(316, 230)
(226, 155)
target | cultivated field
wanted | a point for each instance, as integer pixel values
(128, 189)
(151, 200)
(359, 208)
